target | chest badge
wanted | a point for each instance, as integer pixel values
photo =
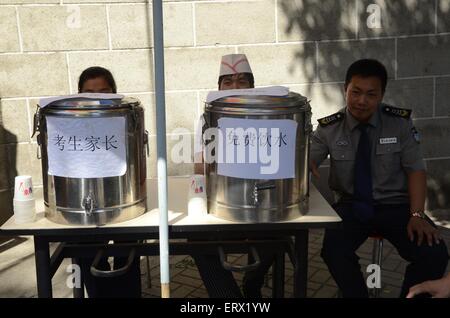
(388, 141)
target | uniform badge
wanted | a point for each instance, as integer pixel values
(388, 141)
(416, 135)
(326, 121)
(342, 143)
(398, 112)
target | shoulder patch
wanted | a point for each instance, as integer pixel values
(398, 112)
(332, 119)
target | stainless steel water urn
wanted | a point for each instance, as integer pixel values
(76, 198)
(260, 200)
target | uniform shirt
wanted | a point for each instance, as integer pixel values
(395, 152)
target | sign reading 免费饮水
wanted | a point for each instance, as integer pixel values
(256, 148)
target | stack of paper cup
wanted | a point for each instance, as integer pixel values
(24, 203)
(197, 205)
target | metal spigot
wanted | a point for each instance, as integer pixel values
(255, 195)
(88, 204)
(260, 187)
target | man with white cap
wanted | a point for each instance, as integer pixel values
(235, 73)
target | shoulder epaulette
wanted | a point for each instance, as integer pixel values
(398, 112)
(332, 119)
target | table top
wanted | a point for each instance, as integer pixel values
(319, 215)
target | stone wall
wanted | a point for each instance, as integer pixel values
(304, 44)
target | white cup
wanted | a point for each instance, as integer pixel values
(24, 211)
(23, 188)
(197, 204)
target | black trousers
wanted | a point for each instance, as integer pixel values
(127, 285)
(220, 282)
(391, 222)
(253, 281)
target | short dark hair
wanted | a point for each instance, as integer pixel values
(367, 68)
(94, 72)
(249, 77)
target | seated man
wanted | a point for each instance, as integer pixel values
(235, 73)
(97, 79)
(378, 173)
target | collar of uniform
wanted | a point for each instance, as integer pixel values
(352, 122)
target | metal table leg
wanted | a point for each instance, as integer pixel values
(301, 263)
(278, 275)
(43, 275)
(78, 292)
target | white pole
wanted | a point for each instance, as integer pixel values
(158, 41)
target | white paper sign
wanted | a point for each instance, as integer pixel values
(266, 91)
(256, 148)
(97, 97)
(86, 147)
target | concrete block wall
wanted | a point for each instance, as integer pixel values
(304, 44)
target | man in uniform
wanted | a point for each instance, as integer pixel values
(378, 175)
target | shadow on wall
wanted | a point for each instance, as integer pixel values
(439, 188)
(322, 21)
(8, 171)
(310, 20)
(347, 30)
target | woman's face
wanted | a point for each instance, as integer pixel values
(96, 85)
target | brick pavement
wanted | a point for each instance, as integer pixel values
(186, 280)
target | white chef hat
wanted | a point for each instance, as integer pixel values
(233, 64)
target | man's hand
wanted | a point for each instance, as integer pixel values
(314, 169)
(423, 230)
(436, 288)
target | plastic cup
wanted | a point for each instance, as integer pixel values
(23, 188)
(197, 203)
(24, 211)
